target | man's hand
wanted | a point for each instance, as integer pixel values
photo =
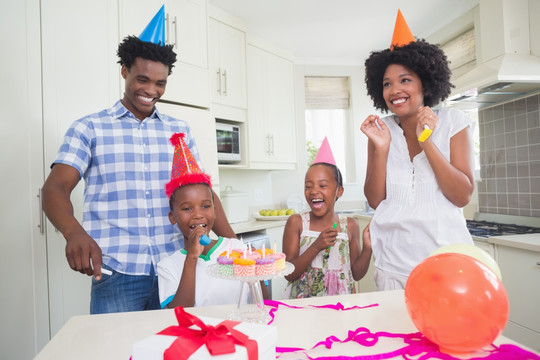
(84, 255)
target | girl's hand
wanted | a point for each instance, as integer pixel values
(426, 116)
(376, 131)
(192, 244)
(326, 239)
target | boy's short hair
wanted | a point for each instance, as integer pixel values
(425, 59)
(132, 47)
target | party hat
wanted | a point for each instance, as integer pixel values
(325, 154)
(154, 32)
(402, 34)
(185, 169)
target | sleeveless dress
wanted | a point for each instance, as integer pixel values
(330, 271)
(416, 218)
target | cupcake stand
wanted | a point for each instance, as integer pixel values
(250, 303)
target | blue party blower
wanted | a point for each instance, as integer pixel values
(204, 240)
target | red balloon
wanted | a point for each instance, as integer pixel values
(457, 302)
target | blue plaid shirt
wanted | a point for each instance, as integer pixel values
(125, 164)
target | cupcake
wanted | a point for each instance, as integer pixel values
(265, 266)
(225, 265)
(244, 267)
(280, 260)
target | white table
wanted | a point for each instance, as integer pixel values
(111, 336)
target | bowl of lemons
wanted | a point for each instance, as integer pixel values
(273, 214)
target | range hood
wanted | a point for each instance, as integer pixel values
(507, 45)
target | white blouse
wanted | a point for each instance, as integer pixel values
(416, 218)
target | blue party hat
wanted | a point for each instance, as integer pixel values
(154, 32)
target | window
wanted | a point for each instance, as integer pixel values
(327, 114)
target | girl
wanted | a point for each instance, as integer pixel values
(417, 187)
(323, 246)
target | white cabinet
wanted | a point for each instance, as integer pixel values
(521, 277)
(186, 29)
(367, 283)
(203, 128)
(79, 42)
(278, 284)
(271, 111)
(227, 52)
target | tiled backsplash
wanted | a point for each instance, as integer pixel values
(510, 158)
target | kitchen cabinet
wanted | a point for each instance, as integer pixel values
(279, 284)
(203, 128)
(367, 283)
(227, 54)
(521, 278)
(186, 30)
(271, 110)
(79, 42)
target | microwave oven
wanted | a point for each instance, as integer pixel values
(228, 142)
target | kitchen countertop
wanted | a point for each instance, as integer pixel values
(111, 336)
(524, 241)
(256, 225)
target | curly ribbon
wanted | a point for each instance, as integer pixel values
(219, 339)
(417, 345)
(274, 306)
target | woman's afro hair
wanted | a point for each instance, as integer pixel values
(428, 61)
(132, 47)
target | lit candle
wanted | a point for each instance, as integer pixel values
(263, 251)
(229, 250)
(249, 244)
(275, 247)
(244, 253)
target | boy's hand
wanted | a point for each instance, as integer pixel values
(326, 239)
(192, 243)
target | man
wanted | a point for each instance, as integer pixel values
(124, 155)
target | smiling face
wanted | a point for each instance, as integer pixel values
(321, 189)
(402, 90)
(145, 84)
(192, 206)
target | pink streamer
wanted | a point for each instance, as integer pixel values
(417, 345)
(274, 305)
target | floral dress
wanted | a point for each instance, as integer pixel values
(330, 271)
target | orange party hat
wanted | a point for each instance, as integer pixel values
(185, 169)
(402, 34)
(324, 155)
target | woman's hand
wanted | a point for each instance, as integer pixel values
(376, 131)
(426, 116)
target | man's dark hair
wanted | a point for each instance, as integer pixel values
(425, 59)
(132, 47)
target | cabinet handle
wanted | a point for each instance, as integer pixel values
(272, 144)
(175, 44)
(225, 82)
(218, 73)
(267, 144)
(167, 31)
(41, 225)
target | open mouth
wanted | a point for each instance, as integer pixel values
(144, 99)
(192, 227)
(398, 101)
(317, 203)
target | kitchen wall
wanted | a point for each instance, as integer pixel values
(510, 158)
